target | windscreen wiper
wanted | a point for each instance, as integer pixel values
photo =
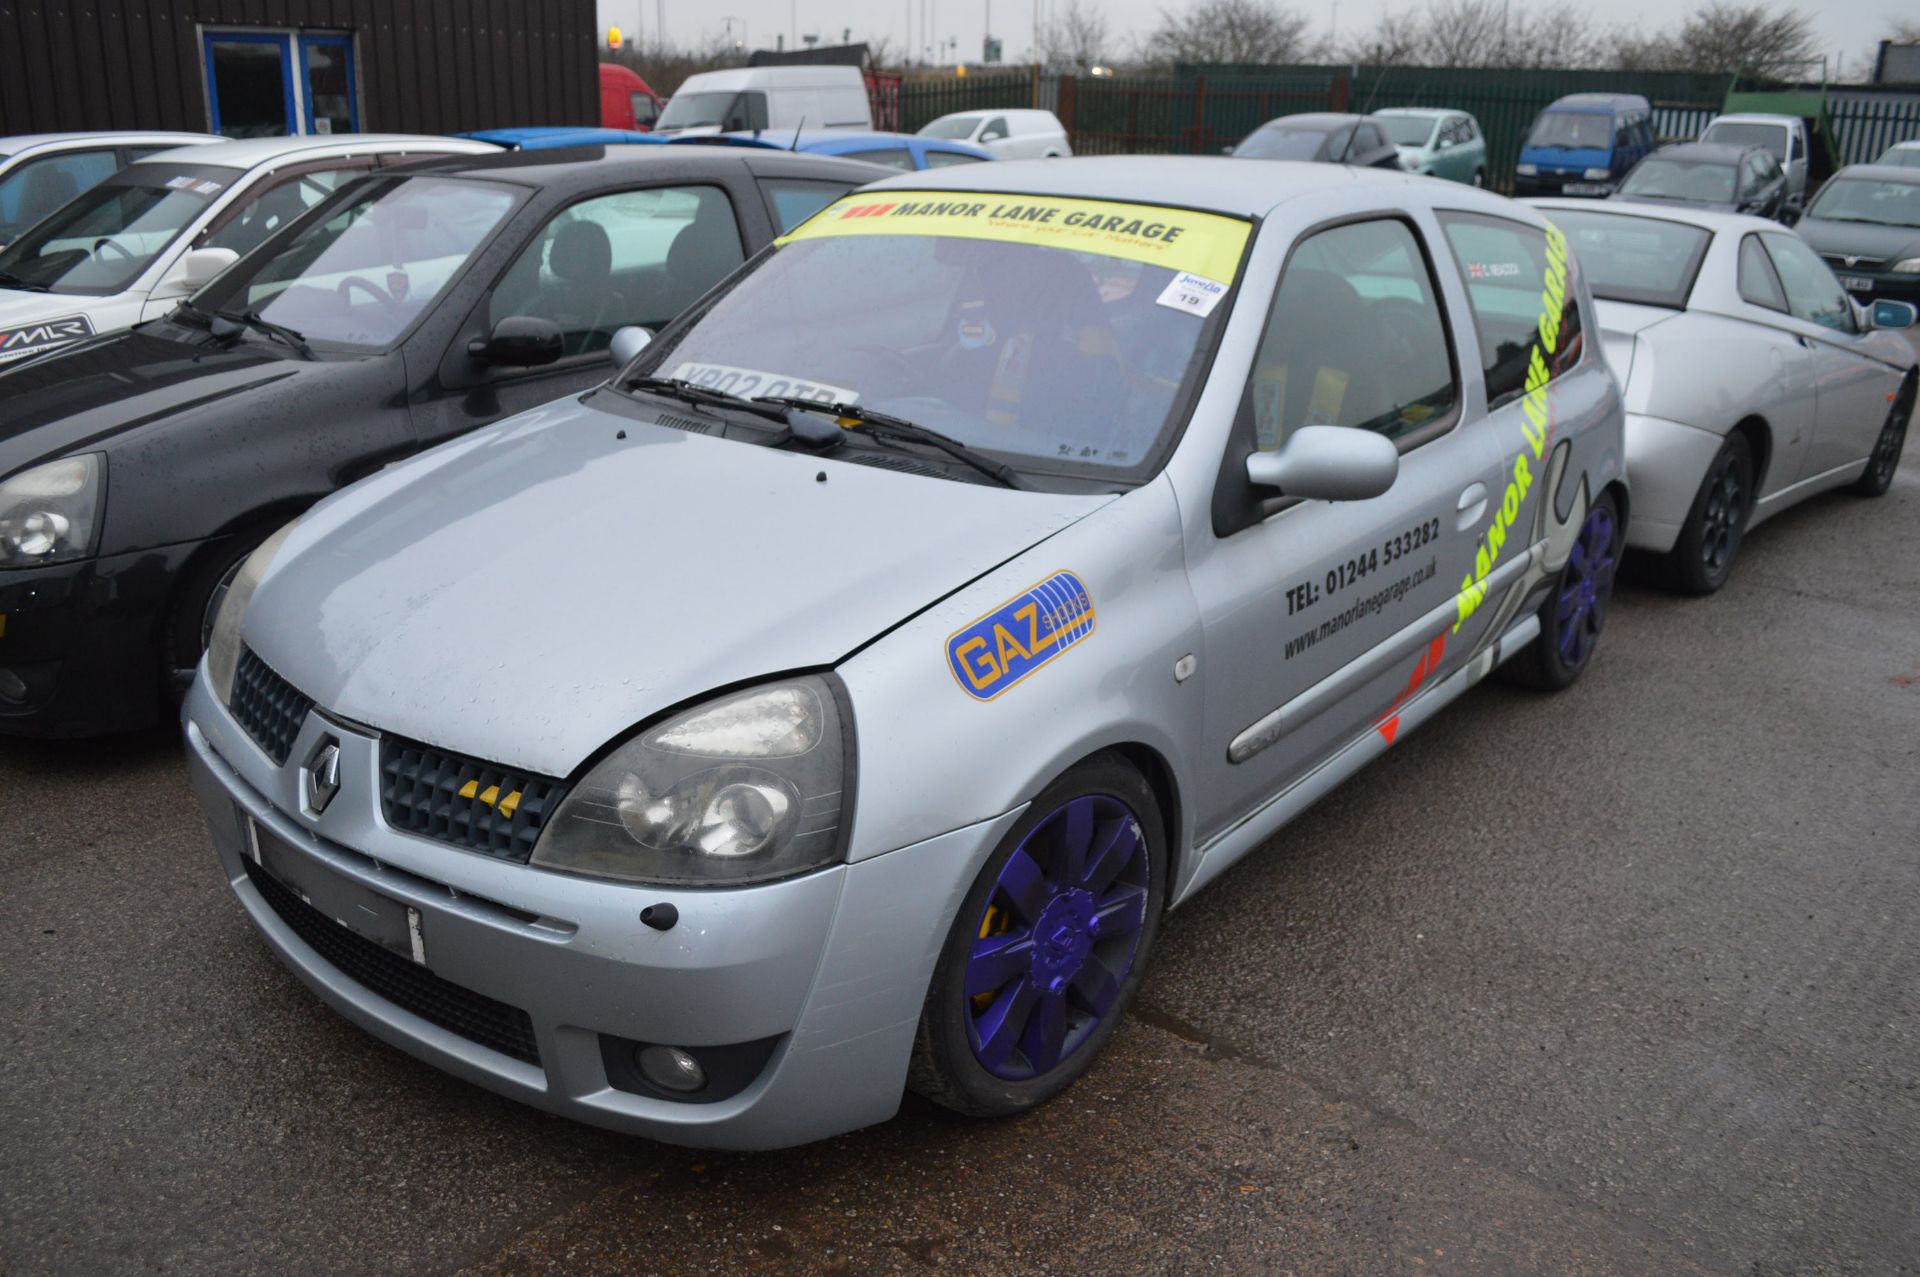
(686, 392)
(235, 324)
(885, 426)
(10, 280)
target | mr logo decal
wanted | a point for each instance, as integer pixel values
(28, 339)
(1018, 637)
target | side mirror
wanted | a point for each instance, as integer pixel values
(1892, 314)
(1327, 463)
(196, 268)
(519, 341)
(1790, 214)
(628, 342)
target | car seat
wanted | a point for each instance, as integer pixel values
(1313, 366)
(702, 253)
(582, 298)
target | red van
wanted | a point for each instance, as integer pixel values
(625, 100)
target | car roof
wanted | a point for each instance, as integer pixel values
(1323, 121)
(1692, 215)
(23, 142)
(1596, 101)
(1424, 112)
(1209, 183)
(1883, 172)
(584, 167)
(1724, 152)
(980, 113)
(250, 153)
(1911, 144)
(553, 135)
(1757, 117)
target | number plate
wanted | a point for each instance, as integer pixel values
(1583, 188)
(1855, 284)
(367, 914)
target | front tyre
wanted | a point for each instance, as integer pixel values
(1576, 610)
(1049, 946)
(1885, 459)
(1702, 557)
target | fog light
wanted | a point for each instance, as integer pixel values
(670, 1069)
(12, 687)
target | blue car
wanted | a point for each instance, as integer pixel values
(1584, 144)
(552, 137)
(905, 151)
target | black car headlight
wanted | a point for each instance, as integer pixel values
(749, 787)
(48, 513)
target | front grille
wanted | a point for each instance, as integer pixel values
(408, 985)
(468, 804)
(1839, 262)
(271, 709)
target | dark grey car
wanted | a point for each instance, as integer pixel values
(1715, 175)
(1327, 137)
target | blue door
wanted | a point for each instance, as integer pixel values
(332, 100)
(274, 83)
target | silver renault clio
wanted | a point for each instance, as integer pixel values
(836, 699)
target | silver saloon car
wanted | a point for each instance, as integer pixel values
(836, 699)
(1752, 381)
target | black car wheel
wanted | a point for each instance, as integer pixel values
(1885, 459)
(1702, 558)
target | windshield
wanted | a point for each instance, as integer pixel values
(1901, 157)
(1771, 136)
(1695, 181)
(1273, 143)
(1056, 334)
(357, 280)
(954, 128)
(696, 110)
(102, 241)
(1573, 131)
(1634, 259)
(1866, 199)
(1406, 130)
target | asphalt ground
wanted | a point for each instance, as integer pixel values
(1625, 980)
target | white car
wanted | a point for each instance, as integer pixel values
(1784, 135)
(131, 247)
(1010, 135)
(41, 171)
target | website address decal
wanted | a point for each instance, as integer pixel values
(1362, 608)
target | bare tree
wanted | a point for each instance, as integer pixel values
(1249, 31)
(1074, 38)
(1480, 33)
(1395, 39)
(1724, 38)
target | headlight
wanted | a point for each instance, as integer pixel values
(1526, 170)
(223, 647)
(48, 514)
(751, 787)
(1598, 174)
(1907, 266)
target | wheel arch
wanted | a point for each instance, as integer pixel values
(1759, 436)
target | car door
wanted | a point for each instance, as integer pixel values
(1849, 387)
(1319, 615)
(638, 255)
(1787, 385)
(996, 138)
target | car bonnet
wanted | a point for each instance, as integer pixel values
(32, 323)
(535, 590)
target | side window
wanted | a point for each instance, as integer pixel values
(38, 187)
(273, 204)
(1365, 139)
(645, 110)
(893, 157)
(793, 200)
(1752, 176)
(1354, 338)
(1520, 286)
(946, 159)
(633, 257)
(1794, 146)
(1623, 134)
(1769, 167)
(1758, 284)
(1336, 147)
(996, 129)
(1813, 294)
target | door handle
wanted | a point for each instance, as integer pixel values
(1473, 504)
(1804, 340)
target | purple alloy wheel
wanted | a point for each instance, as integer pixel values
(1585, 587)
(1057, 937)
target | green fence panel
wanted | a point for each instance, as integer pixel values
(927, 98)
(1865, 126)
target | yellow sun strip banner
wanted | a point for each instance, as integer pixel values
(1204, 244)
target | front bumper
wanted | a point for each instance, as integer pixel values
(1666, 460)
(81, 642)
(832, 966)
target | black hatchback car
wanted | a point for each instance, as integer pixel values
(1715, 175)
(138, 470)
(1330, 138)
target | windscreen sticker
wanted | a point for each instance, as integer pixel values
(19, 342)
(1205, 244)
(1194, 294)
(1030, 629)
(751, 382)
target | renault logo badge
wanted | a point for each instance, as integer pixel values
(320, 780)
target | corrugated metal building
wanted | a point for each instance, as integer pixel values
(251, 68)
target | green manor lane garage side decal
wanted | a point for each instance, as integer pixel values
(1552, 535)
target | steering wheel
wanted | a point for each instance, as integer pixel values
(106, 242)
(387, 300)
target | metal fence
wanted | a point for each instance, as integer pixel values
(1866, 123)
(924, 98)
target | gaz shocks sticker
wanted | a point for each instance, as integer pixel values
(992, 653)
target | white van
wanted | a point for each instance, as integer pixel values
(779, 99)
(1019, 134)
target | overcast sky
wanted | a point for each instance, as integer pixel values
(1848, 27)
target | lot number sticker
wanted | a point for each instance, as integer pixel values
(1194, 294)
